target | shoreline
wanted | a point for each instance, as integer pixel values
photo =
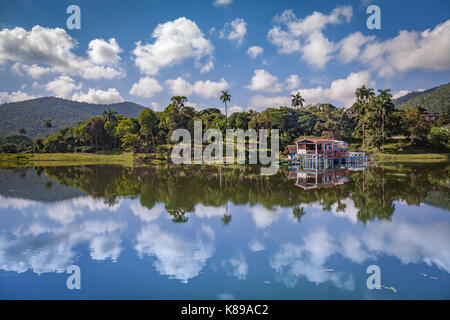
(126, 159)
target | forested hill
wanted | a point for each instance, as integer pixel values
(30, 114)
(434, 100)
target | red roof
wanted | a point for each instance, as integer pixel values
(318, 140)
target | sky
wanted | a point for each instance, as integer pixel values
(261, 51)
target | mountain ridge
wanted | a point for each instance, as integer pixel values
(29, 114)
(434, 100)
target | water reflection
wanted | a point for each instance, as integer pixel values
(231, 230)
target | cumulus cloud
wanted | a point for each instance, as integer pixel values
(33, 70)
(98, 96)
(234, 31)
(256, 246)
(222, 3)
(410, 50)
(350, 46)
(259, 101)
(264, 81)
(399, 94)
(146, 88)
(292, 82)
(177, 257)
(255, 51)
(174, 41)
(205, 89)
(103, 52)
(146, 214)
(239, 266)
(53, 47)
(62, 87)
(305, 36)
(15, 96)
(341, 91)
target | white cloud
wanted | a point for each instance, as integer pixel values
(240, 267)
(33, 70)
(264, 81)
(259, 102)
(105, 247)
(350, 46)
(62, 87)
(305, 35)
(50, 47)
(222, 3)
(256, 246)
(341, 91)
(205, 89)
(399, 94)
(146, 87)
(146, 214)
(292, 82)
(15, 96)
(177, 257)
(98, 96)
(410, 50)
(174, 41)
(102, 52)
(234, 31)
(255, 51)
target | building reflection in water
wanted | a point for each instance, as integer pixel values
(309, 178)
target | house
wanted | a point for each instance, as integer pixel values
(432, 116)
(314, 180)
(317, 147)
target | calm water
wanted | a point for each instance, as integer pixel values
(185, 233)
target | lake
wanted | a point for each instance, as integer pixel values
(191, 232)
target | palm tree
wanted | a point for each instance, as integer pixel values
(386, 106)
(297, 100)
(363, 96)
(110, 115)
(225, 97)
(47, 124)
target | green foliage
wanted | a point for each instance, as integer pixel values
(62, 113)
(439, 137)
(434, 100)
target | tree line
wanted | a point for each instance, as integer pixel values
(371, 121)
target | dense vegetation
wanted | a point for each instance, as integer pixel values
(63, 113)
(371, 121)
(434, 100)
(375, 192)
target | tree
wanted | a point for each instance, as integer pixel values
(386, 108)
(225, 97)
(297, 100)
(47, 124)
(95, 128)
(363, 96)
(415, 124)
(130, 140)
(110, 115)
(148, 122)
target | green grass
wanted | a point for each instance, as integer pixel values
(65, 159)
(405, 151)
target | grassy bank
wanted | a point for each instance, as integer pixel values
(65, 159)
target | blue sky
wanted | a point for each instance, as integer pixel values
(148, 51)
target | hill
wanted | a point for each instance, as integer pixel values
(30, 114)
(434, 100)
